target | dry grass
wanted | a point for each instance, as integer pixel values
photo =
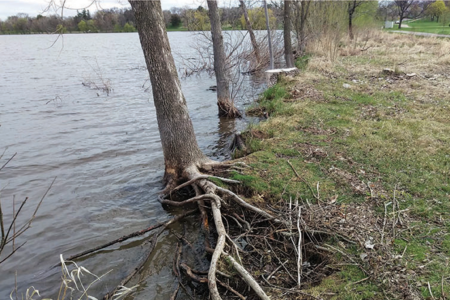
(76, 282)
(410, 53)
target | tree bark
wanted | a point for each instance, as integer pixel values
(351, 9)
(303, 11)
(220, 69)
(350, 25)
(288, 55)
(181, 151)
(250, 31)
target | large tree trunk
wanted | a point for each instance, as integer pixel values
(250, 31)
(288, 56)
(226, 106)
(181, 151)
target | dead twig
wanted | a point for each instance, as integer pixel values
(303, 180)
(4, 165)
(431, 293)
(231, 289)
(191, 274)
(299, 251)
(289, 290)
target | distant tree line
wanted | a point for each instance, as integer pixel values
(106, 20)
(230, 17)
(123, 20)
(195, 19)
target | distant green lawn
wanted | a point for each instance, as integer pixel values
(425, 26)
(182, 28)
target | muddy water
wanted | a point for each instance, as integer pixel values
(104, 151)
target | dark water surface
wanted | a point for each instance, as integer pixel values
(104, 150)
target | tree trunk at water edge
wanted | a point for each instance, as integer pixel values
(181, 151)
(226, 106)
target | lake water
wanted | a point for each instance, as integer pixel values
(104, 150)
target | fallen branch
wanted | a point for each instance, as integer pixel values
(129, 236)
(181, 203)
(191, 274)
(138, 268)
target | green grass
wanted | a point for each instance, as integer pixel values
(379, 135)
(425, 25)
(179, 28)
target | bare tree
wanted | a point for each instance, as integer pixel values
(226, 106)
(288, 55)
(301, 18)
(250, 30)
(403, 8)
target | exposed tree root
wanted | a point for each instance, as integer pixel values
(238, 247)
(247, 277)
(217, 252)
(210, 190)
(228, 109)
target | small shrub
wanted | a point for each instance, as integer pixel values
(302, 61)
(275, 92)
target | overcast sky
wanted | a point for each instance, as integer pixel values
(35, 7)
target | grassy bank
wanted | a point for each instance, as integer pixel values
(425, 25)
(371, 151)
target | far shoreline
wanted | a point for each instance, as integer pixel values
(181, 29)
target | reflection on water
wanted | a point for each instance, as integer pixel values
(104, 150)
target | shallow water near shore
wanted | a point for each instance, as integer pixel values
(104, 151)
